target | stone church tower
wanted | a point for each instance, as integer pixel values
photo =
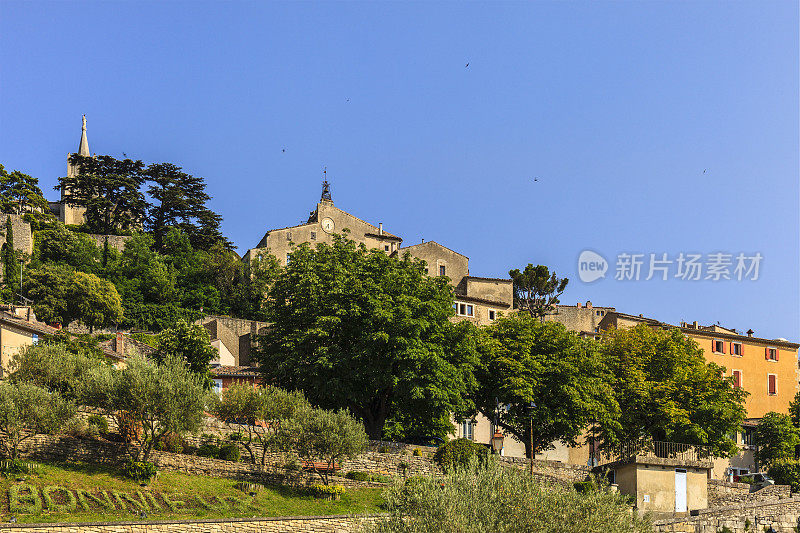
(66, 213)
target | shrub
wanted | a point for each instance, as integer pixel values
(230, 452)
(417, 452)
(99, 422)
(459, 453)
(495, 498)
(208, 449)
(328, 492)
(358, 476)
(379, 478)
(24, 498)
(584, 486)
(170, 442)
(235, 437)
(80, 429)
(140, 470)
(383, 449)
(786, 473)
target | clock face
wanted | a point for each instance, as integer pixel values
(327, 225)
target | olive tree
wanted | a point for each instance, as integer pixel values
(327, 436)
(261, 415)
(503, 500)
(53, 367)
(162, 398)
(27, 410)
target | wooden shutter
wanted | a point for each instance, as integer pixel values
(772, 384)
(723, 346)
(737, 378)
(766, 353)
(777, 353)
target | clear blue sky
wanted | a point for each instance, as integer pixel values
(616, 107)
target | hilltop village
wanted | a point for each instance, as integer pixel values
(101, 269)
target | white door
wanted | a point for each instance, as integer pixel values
(680, 490)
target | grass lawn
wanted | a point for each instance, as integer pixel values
(201, 497)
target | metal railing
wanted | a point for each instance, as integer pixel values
(656, 449)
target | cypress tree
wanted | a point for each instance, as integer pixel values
(10, 263)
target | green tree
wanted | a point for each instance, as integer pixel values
(109, 190)
(141, 275)
(656, 378)
(523, 361)
(54, 368)
(20, 194)
(502, 500)
(48, 287)
(776, 439)
(180, 202)
(536, 289)
(794, 410)
(327, 436)
(56, 244)
(191, 343)
(93, 301)
(27, 410)
(263, 415)
(11, 263)
(163, 398)
(360, 330)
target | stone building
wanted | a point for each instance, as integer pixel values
(582, 319)
(23, 236)
(479, 300)
(66, 213)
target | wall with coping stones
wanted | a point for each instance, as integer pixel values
(781, 515)
(723, 493)
(307, 524)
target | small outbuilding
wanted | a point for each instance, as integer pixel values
(666, 478)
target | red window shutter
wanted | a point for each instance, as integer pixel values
(772, 388)
(723, 346)
(766, 354)
(777, 353)
(741, 349)
(737, 378)
(713, 346)
(731, 347)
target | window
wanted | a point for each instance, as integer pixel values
(737, 378)
(747, 437)
(597, 329)
(313, 235)
(426, 271)
(217, 386)
(288, 235)
(492, 314)
(597, 313)
(468, 430)
(736, 349)
(772, 384)
(442, 270)
(385, 247)
(771, 353)
(288, 258)
(717, 346)
(463, 309)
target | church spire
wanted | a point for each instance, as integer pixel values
(83, 148)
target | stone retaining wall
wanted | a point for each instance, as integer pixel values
(782, 515)
(307, 524)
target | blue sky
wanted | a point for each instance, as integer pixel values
(617, 108)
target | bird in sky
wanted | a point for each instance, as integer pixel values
(705, 170)
(535, 179)
(347, 99)
(283, 150)
(465, 66)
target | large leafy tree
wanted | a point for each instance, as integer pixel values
(56, 244)
(536, 289)
(141, 274)
(180, 202)
(192, 344)
(60, 294)
(776, 438)
(110, 191)
(20, 194)
(667, 392)
(524, 360)
(360, 330)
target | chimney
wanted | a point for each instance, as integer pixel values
(119, 343)
(588, 304)
(750, 332)
(380, 228)
(695, 325)
(579, 305)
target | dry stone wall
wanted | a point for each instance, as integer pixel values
(782, 515)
